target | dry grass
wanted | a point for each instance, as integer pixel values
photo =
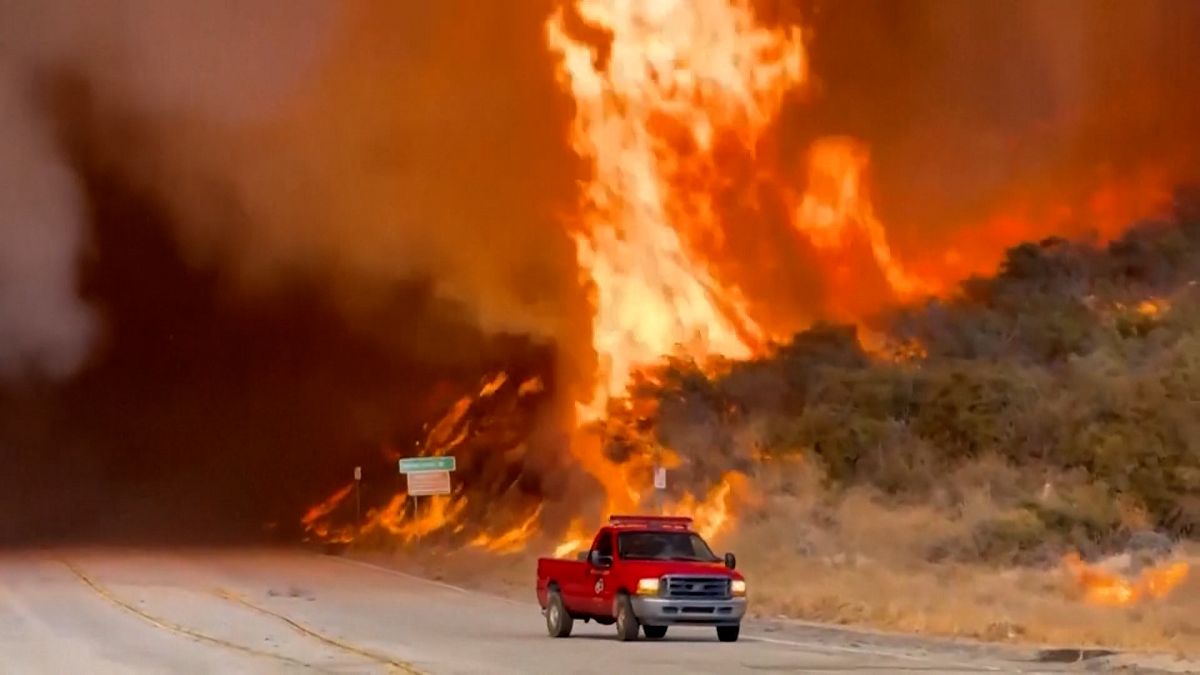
(856, 562)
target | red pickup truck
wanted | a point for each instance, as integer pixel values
(646, 572)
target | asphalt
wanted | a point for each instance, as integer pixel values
(287, 611)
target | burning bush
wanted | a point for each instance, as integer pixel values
(1033, 367)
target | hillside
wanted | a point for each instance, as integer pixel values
(1067, 384)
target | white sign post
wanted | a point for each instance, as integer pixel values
(660, 485)
(426, 476)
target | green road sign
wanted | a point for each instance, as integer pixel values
(419, 464)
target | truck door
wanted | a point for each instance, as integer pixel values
(601, 576)
(579, 589)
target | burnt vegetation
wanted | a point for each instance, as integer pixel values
(1065, 387)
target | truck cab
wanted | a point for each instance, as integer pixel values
(647, 573)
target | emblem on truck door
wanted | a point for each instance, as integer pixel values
(599, 585)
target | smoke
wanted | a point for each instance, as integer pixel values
(43, 323)
(366, 143)
(149, 59)
(362, 144)
(969, 109)
(249, 245)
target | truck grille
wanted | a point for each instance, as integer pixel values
(696, 587)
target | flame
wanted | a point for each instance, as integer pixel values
(673, 79)
(578, 537)
(665, 93)
(443, 510)
(676, 74)
(327, 506)
(1153, 307)
(835, 209)
(513, 540)
(1103, 587)
(400, 518)
(493, 385)
(315, 520)
(712, 515)
(1101, 206)
(884, 347)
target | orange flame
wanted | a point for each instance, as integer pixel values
(443, 510)
(835, 209)
(712, 515)
(1153, 307)
(315, 519)
(513, 540)
(578, 537)
(676, 74)
(673, 78)
(1103, 587)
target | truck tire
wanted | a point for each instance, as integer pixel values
(655, 632)
(558, 621)
(627, 623)
(728, 633)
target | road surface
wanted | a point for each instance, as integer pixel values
(285, 611)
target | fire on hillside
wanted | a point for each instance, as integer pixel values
(676, 106)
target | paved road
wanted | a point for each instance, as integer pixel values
(272, 611)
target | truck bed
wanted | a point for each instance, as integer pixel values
(557, 570)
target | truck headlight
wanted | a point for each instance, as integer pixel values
(647, 587)
(737, 587)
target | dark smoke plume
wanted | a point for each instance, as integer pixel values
(249, 245)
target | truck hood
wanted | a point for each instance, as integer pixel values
(657, 568)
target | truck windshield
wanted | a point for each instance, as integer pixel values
(664, 546)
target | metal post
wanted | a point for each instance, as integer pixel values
(416, 510)
(658, 494)
(358, 498)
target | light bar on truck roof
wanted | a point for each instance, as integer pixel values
(665, 522)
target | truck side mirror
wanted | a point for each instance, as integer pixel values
(730, 560)
(598, 560)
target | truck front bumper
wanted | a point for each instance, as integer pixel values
(669, 611)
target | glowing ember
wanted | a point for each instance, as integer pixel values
(1153, 307)
(1103, 587)
(1148, 310)
(886, 348)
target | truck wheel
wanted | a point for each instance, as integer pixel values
(655, 632)
(627, 623)
(558, 621)
(728, 633)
